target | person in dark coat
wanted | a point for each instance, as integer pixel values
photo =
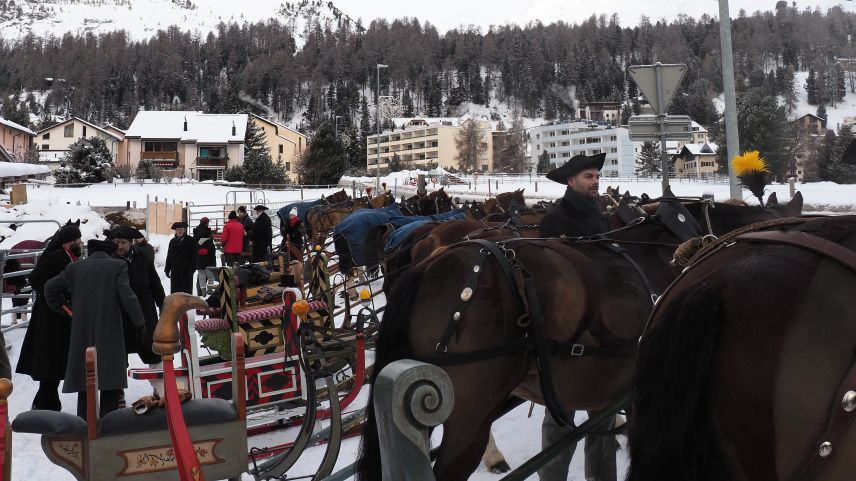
(146, 285)
(578, 215)
(292, 230)
(99, 291)
(262, 234)
(141, 244)
(245, 221)
(206, 254)
(181, 260)
(44, 352)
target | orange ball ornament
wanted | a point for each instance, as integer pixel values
(301, 308)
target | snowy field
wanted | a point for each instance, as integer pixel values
(517, 434)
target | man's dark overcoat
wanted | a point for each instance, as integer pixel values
(575, 216)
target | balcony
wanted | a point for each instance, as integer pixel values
(159, 155)
(212, 161)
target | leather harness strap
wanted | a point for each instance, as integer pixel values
(816, 244)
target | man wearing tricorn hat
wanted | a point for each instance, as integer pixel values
(181, 260)
(262, 234)
(578, 214)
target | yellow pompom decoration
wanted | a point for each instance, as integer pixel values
(318, 248)
(301, 308)
(365, 295)
(749, 162)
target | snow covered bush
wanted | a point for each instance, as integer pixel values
(88, 161)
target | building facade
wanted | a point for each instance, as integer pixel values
(810, 131)
(428, 143)
(607, 112)
(562, 141)
(13, 138)
(191, 143)
(697, 160)
(53, 142)
(285, 144)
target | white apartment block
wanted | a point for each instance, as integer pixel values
(562, 141)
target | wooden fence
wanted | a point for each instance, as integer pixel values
(161, 215)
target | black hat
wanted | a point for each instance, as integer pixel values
(574, 166)
(109, 233)
(260, 207)
(233, 215)
(95, 245)
(242, 208)
(68, 233)
(177, 225)
(125, 232)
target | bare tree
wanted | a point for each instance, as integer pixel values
(469, 142)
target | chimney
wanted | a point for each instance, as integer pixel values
(185, 123)
(233, 128)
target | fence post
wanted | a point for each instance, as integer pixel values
(536, 186)
(791, 187)
(353, 189)
(301, 192)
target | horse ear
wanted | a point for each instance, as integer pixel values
(772, 200)
(794, 206)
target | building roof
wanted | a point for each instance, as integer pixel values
(278, 124)
(169, 124)
(9, 123)
(707, 148)
(697, 127)
(72, 119)
(806, 115)
(18, 169)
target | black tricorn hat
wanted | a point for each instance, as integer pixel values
(179, 225)
(260, 207)
(125, 232)
(574, 166)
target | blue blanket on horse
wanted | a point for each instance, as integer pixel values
(403, 232)
(302, 209)
(356, 226)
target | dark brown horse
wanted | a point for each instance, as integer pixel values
(337, 198)
(743, 371)
(569, 281)
(437, 202)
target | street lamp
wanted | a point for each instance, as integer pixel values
(377, 109)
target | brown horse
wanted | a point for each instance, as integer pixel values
(382, 200)
(437, 202)
(739, 372)
(336, 198)
(322, 219)
(578, 308)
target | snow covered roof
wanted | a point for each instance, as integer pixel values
(9, 123)
(166, 124)
(705, 148)
(697, 127)
(17, 169)
(72, 119)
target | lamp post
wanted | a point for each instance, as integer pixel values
(377, 122)
(731, 134)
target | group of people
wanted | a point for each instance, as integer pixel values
(109, 300)
(242, 239)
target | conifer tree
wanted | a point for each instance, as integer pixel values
(821, 113)
(544, 164)
(811, 87)
(87, 161)
(648, 162)
(325, 160)
(469, 141)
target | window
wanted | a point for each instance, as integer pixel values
(68, 131)
(46, 147)
(551, 144)
(613, 150)
(84, 131)
(537, 136)
(553, 134)
(565, 143)
(566, 154)
(161, 147)
(280, 148)
(212, 152)
(47, 136)
(595, 151)
(288, 166)
(537, 146)
(552, 156)
(566, 132)
(613, 138)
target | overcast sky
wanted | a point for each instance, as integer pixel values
(449, 14)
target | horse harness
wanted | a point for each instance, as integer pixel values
(531, 319)
(841, 414)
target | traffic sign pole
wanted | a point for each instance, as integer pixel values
(664, 154)
(731, 135)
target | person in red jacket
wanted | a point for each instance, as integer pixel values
(233, 240)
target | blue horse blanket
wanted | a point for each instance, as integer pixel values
(403, 232)
(302, 209)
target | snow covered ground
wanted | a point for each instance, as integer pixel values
(517, 434)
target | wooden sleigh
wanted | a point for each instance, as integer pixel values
(200, 439)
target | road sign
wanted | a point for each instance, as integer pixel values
(647, 127)
(658, 82)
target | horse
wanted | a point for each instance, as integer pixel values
(337, 198)
(382, 200)
(436, 202)
(486, 351)
(746, 368)
(320, 220)
(511, 202)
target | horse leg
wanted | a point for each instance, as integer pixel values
(461, 449)
(493, 458)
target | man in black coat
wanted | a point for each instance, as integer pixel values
(146, 285)
(577, 215)
(44, 352)
(99, 292)
(262, 234)
(181, 260)
(245, 221)
(206, 254)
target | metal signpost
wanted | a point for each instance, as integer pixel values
(658, 83)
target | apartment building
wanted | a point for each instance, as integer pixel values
(428, 142)
(609, 112)
(54, 142)
(203, 145)
(811, 132)
(562, 141)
